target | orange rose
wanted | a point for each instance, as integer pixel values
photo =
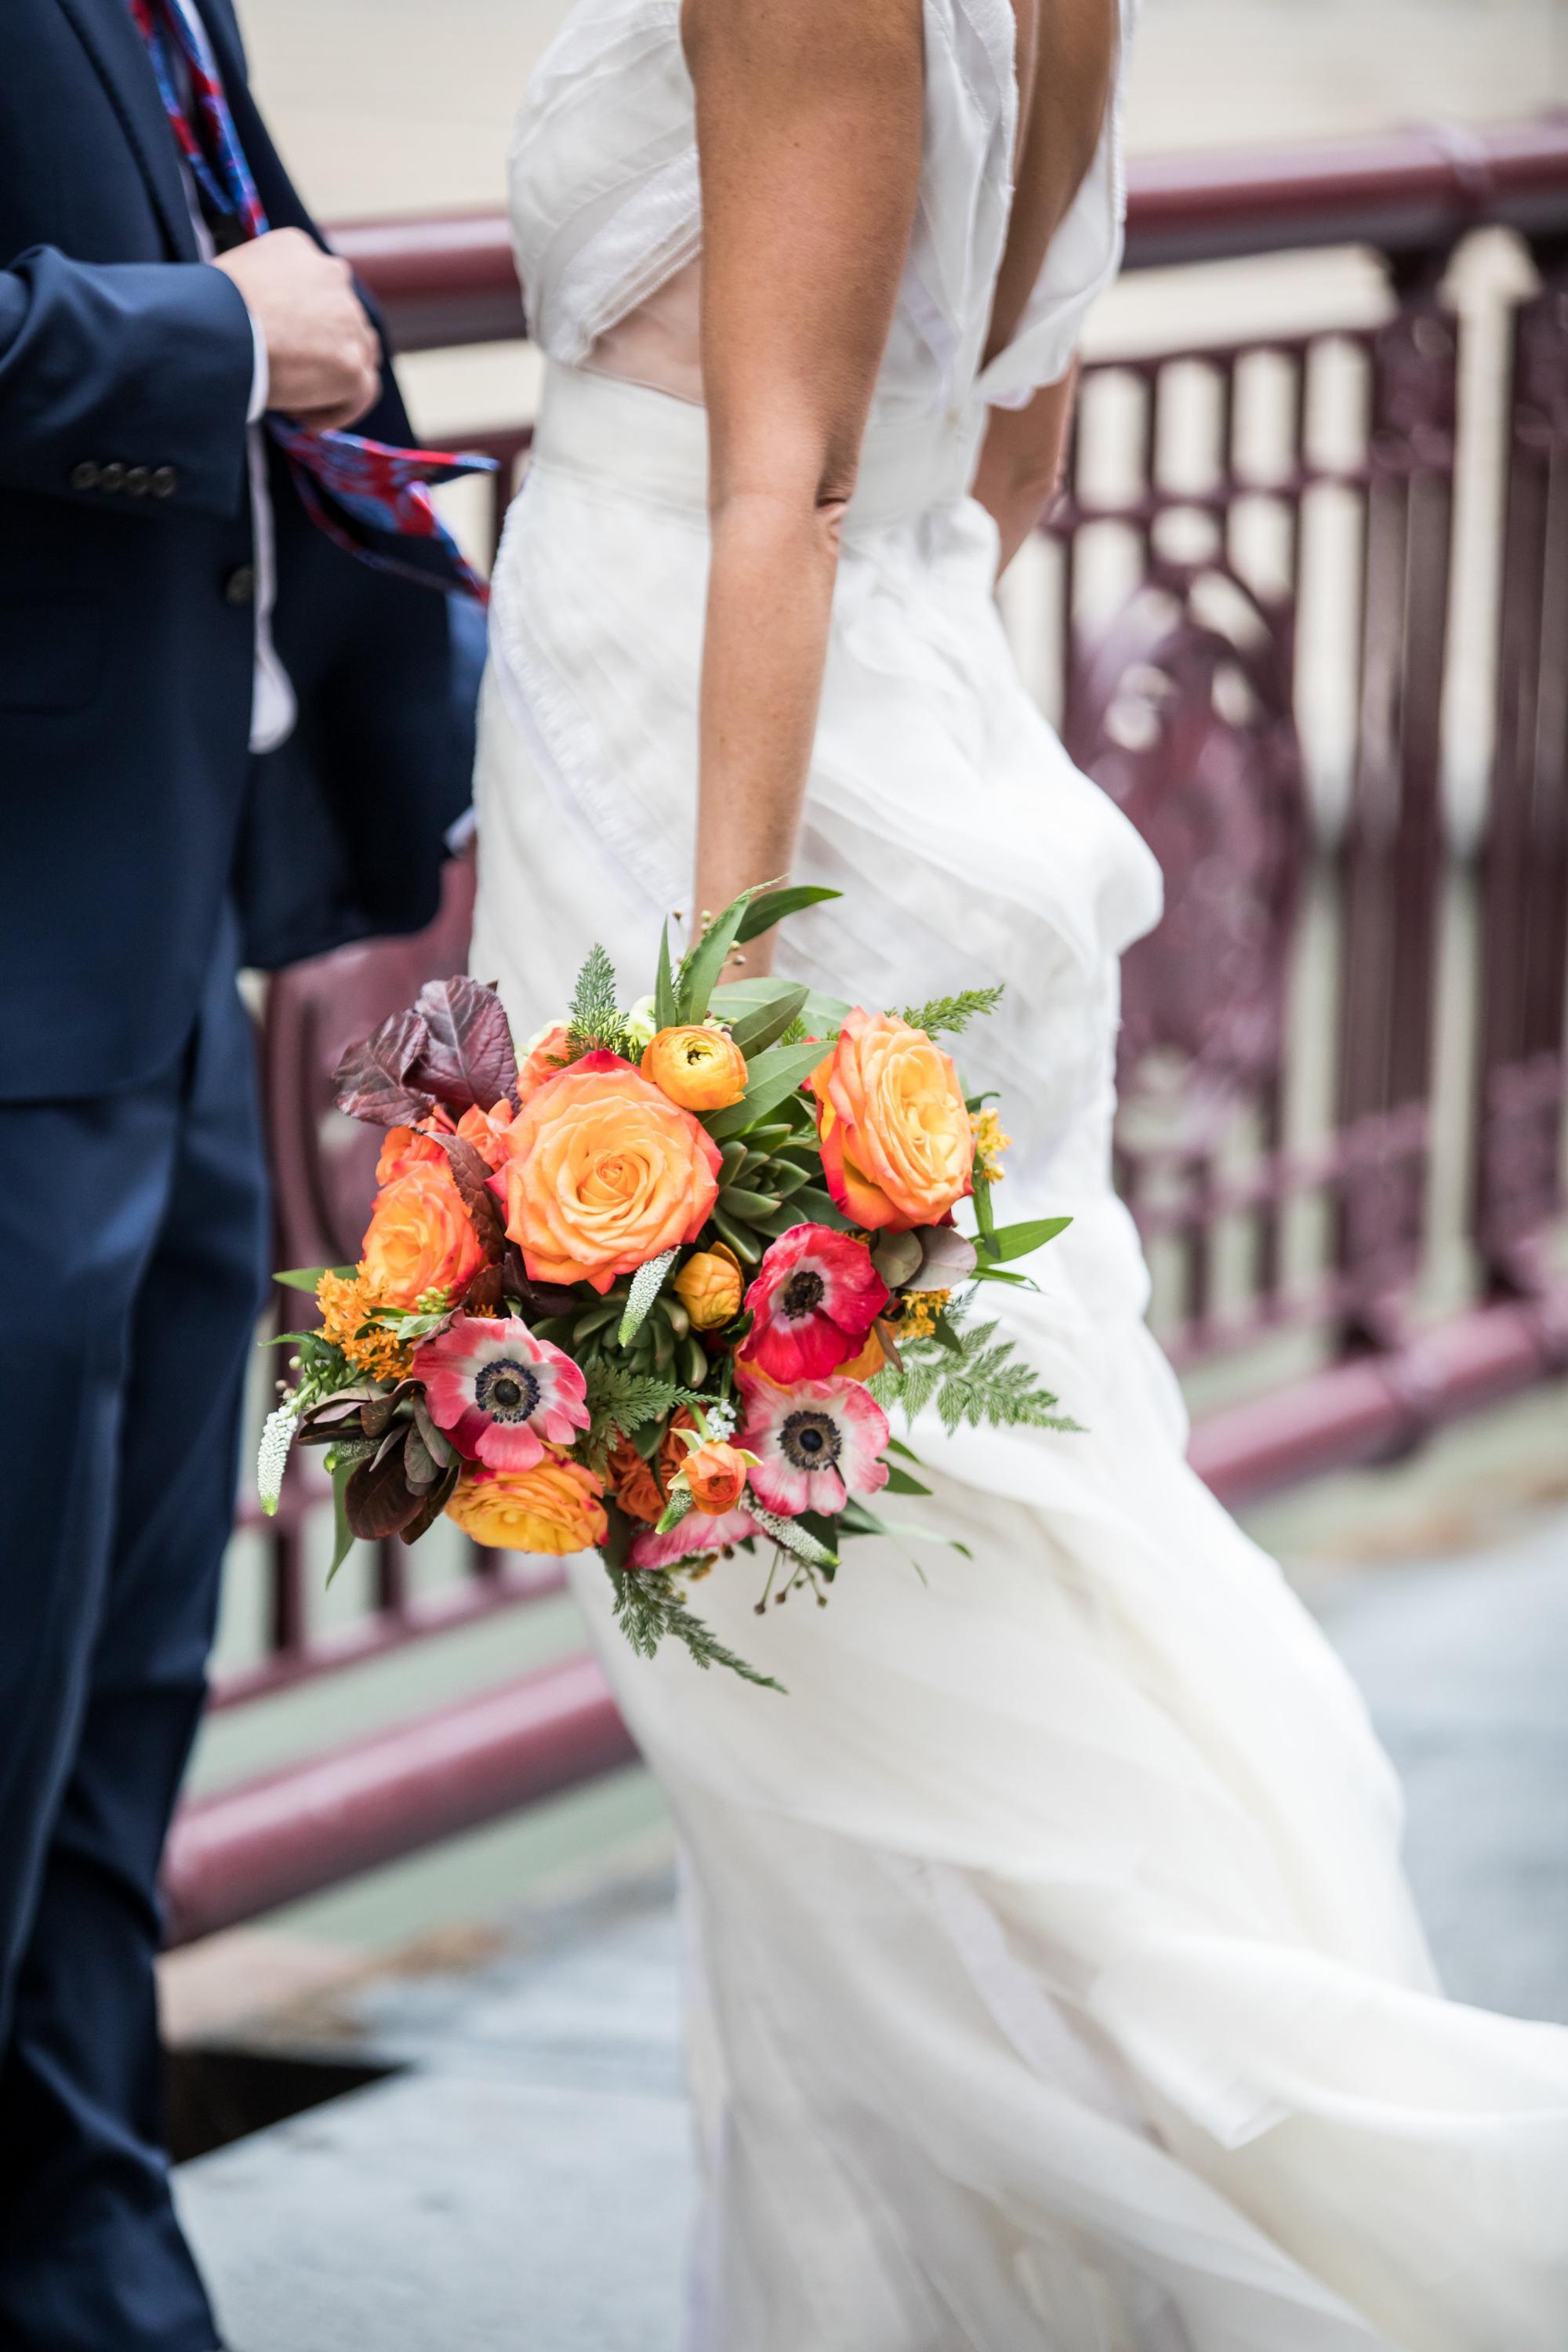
(710, 1287)
(420, 1239)
(897, 1147)
(406, 1148)
(605, 1173)
(700, 1069)
(716, 1473)
(640, 1490)
(555, 1507)
(545, 1060)
(489, 1132)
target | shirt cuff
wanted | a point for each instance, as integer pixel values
(262, 375)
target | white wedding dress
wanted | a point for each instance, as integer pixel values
(1055, 1987)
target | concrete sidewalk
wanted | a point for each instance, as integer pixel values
(527, 2185)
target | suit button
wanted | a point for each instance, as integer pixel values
(112, 478)
(138, 481)
(164, 481)
(85, 475)
(239, 588)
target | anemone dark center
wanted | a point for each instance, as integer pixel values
(507, 1390)
(810, 1441)
(803, 1293)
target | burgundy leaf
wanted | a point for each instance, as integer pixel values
(468, 1057)
(372, 1078)
(433, 1504)
(471, 1175)
(378, 1499)
(486, 1292)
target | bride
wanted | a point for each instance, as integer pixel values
(1054, 1984)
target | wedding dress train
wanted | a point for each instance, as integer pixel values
(1055, 1986)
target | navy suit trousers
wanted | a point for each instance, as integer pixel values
(132, 1247)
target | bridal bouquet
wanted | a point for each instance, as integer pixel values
(652, 1286)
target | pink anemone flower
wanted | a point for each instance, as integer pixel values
(817, 1443)
(691, 1537)
(498, 1392)
(815, 1295)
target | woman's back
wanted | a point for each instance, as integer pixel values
(606, 202)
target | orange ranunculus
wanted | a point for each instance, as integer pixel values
(897, 1147)
(869, 1362)
(716, 1473)
(698, 1067)
(642, 1489)
(406, 1148)
(555, 1507)
(711, 1287)
(545, 1059)
(605, 1173)
(420, 1239)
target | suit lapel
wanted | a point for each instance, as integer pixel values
(115, 46)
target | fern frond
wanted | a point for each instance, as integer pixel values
(982, 1382)
(649, 1611)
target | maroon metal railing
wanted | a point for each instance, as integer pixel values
(1250, 533)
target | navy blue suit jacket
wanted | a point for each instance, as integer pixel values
(130, 805)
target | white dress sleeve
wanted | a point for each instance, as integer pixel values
(1080, 262)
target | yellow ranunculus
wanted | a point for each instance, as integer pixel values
(698, 1067)
(555, 1508)
(711, 1287)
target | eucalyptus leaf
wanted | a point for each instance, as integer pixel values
(1005, 1242)
(771, 907)
(773, 1076)
(766, 1023)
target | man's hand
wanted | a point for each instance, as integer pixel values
(322, 356)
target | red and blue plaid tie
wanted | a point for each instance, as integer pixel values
(358, 491)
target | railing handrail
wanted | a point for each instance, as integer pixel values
(451, 278)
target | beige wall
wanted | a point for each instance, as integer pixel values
(405, 105)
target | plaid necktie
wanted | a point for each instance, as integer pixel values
(359, 492)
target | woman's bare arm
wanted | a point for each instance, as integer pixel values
(809, 132)
(1020, 466)
(1067, 58)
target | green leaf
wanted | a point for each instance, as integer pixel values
(1001, 1274)
(751, 1206)
(1004, 1241)
(774, 1076)
(343, 1534)
(308, 1278)
(699, 973)
(901, 1483)
(666, 1010)
(763, 1026)
(771, 907)
(943, 1333)
(814, 1207)
(985, 1218)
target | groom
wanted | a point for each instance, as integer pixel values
(224, 738)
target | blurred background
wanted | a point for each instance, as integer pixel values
(1304, 610)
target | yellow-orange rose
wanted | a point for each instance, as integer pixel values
(701, 1069)
(555, 1507)
(605, 1173)
(420, 1238)
(716, 1473)
(545, 1059)
(711, 1287)
(897, 1147)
